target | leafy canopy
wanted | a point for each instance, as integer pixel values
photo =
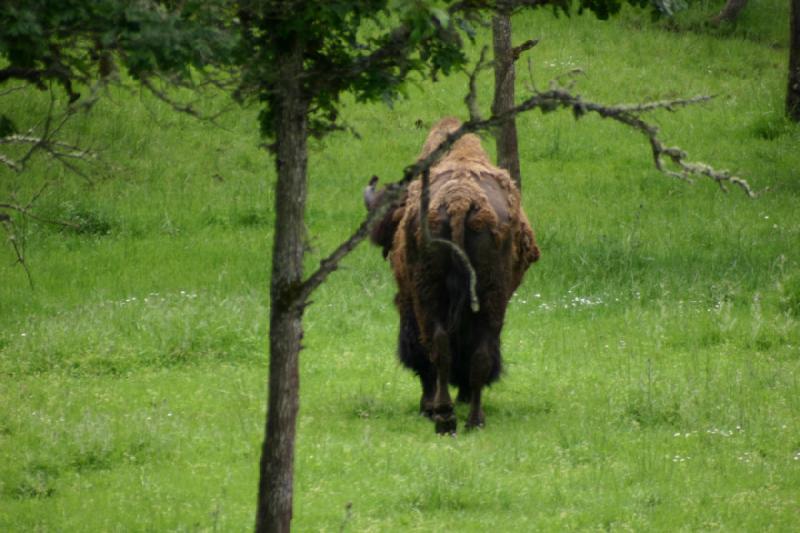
(369, 48)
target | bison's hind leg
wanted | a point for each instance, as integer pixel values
(444, 416)
(428, 381)
(484, 368)
(414, 356)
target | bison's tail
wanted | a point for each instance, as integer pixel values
(461, 279)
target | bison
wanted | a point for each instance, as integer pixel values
(443, 339)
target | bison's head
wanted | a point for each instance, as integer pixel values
(382, 233)
(372, 196)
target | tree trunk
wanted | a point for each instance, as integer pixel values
(504, 77)
(793, 91)
(286, 328)
(730, 12)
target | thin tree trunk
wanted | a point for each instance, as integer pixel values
(286, 328)
(793, 91)
(730, 12)
(504, 76)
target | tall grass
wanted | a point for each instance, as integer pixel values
(651, 356)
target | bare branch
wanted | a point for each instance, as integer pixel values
(42, 137)
(164, 97)
(26, 211)
(546, 101)
(12, 90)
(391, 194)
(10, 163)
(18, 250)
(187, 108)
(517, 51)
(60, 148)
(471, 100)
(629, 114)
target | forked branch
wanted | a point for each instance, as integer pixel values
(550, 100)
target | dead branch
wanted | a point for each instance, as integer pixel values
(42, 137)
(18, 250)
(55, 148)
(26, 211)
(517, 51)
(64, 152)
(629, 114)
(187, 108)
(10, 163)
(546, 101)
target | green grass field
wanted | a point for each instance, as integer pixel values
(652, 355)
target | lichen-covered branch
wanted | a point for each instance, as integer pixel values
(546, 101)
(629, 115)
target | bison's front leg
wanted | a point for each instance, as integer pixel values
(443, 415)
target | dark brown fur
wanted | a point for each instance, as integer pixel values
(476, 206)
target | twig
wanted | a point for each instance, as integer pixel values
(12, 238)
(186, 108)
(12, 90)
(49, 146)
(517, 51)
(471, 100)
(27, 212)
(42, 136)
(10, 163)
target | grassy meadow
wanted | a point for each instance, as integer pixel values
(652, 355)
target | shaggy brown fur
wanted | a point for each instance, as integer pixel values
(476, 206)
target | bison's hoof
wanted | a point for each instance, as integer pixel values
(475, 421)
(445, 425)
(470, 425)
(426, 408)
